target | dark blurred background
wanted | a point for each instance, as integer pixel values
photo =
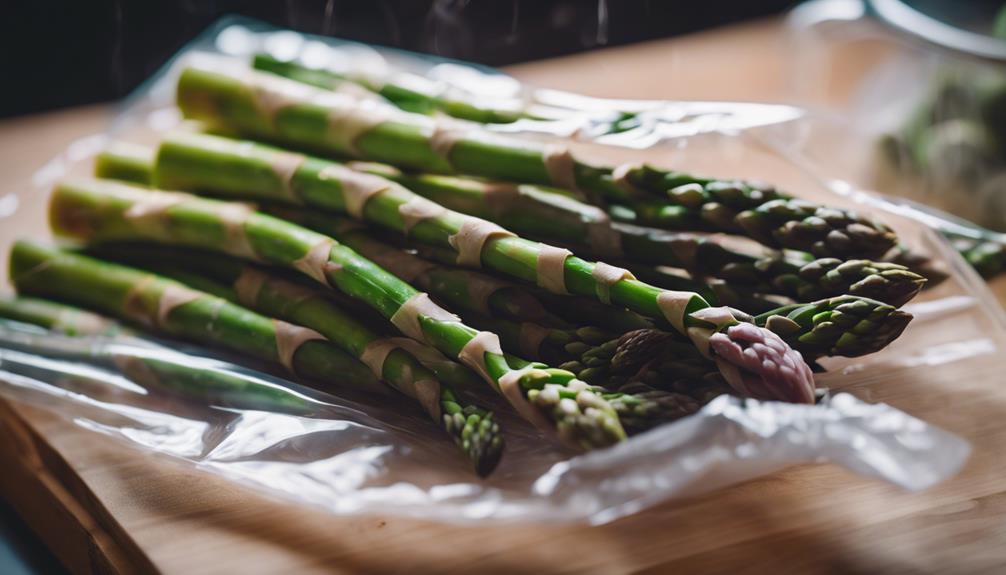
(58, 53)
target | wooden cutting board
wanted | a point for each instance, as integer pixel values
(104, 507)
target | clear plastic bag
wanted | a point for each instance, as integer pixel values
(924, 86)
(349, 455)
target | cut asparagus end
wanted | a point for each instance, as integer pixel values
(126, 161)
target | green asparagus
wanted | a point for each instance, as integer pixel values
(417, 94)
(175, 309)
(281, 110)
(395, 360)
(152, 367)
(540, 213)
(193, 161)
(56, 317)
(458, 288)
(986, 256)
(102, 211)
(290, 301)
(326, 311)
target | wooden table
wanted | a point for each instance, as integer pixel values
(102, 507)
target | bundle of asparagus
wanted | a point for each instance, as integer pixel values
(178, 309)
(321, 274)
(265, 106)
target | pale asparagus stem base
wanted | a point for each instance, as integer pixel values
(107, 211)
(226, 166)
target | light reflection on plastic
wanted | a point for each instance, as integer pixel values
(236, 41)
(8, 205)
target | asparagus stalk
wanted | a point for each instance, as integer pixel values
(472, 428)
(463, 289)
(541, 213)
(988, 257)
(173, 308)
(127, 162)
(192, 161)
(290, 301)
(277, 109)
(56, 317)
(298, 302)
(417, 94)
(154, 368)
(469, 290)
(394, 360)
(103, 211)
(518, 331)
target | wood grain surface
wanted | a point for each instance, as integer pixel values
(104, 507)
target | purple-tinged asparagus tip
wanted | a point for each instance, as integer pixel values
(758, 363)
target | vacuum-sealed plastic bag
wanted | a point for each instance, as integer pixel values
(352, 453)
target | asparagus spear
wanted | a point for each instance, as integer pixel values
(395, 360)
(192, 161)
(126, 161)
(155, 368)
(56, 317)
(416, 94)
(472, 428)
(272, 293)
(104, 211)
(453, 286)
(848, 326)
(580, 350)
(541, 213)
(986, 256)
(891, 281)
(468, 289)
(573, 347)
(462, 289)
(278, 109)
(177, 310)
(290, 301)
